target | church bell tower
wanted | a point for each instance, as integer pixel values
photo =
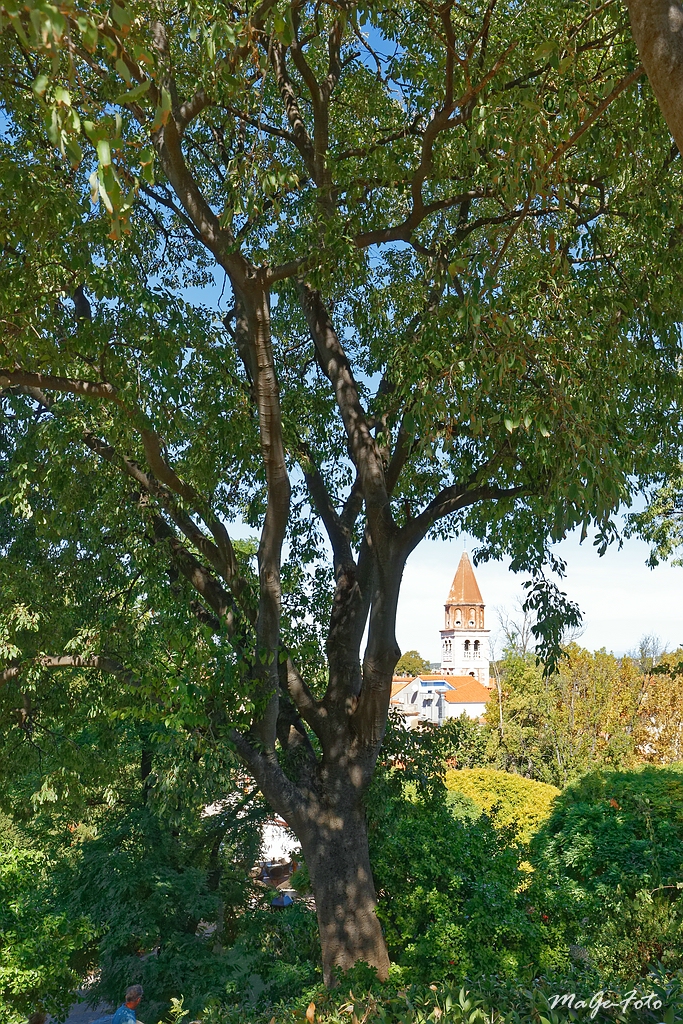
(464, 641)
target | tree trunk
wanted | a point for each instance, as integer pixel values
(657, 27)
(335, 848)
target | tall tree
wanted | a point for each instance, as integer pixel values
(431, 228)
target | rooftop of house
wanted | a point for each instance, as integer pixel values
(467, 690)
(465, 589)
(456, 689)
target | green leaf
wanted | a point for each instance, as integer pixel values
(134, 94)
(122, 69)
(104, 152)
(40, 85)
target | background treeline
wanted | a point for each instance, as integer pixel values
(550, 849)
(597, 710)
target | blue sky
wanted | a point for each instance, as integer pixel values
(620, 597)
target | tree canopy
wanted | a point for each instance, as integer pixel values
(348, 276)
(411, 663)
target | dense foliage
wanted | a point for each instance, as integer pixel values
(532, 999)
(510, 800)
(609, 863)
(165, 899)
(597, 710)
(447, 891)
(39, 939)
(344, 277)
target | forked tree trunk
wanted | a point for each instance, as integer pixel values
(335, 848)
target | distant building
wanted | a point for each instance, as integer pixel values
(464, 641)
(434, 698)
(462, 685)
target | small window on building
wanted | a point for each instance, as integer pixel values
(458, 617)
(476, 648)
(467, 648)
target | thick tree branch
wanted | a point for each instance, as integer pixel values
(362, 445)
(300, 136)
(352, 506)
(280, 792)
(167, 143)
(657, 27)
(338, 536)
(102, 663)
(449, 500)
(192, 108)
(50, 382)
(203, 581)
(255, 301)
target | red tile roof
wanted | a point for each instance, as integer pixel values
(467, 690)
(464, 589)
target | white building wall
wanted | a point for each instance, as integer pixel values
(457, 659)
(474, 711)
(426, 703)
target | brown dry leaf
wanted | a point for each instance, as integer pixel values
(310, 1013)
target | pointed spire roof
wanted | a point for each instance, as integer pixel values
(464, 589)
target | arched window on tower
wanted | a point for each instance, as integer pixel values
(472, 618)
(476, 648)
(458, 617)
(467, 648)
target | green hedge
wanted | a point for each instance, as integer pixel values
(609, 868)
(511, 800)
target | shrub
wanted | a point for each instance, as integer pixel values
(489, 1000)
(276, 955)
(448, 893)
(510, 800)
(38, 941)
(165, 901)
(609, 868)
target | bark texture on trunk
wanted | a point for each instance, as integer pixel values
(335, 848)
(657, 27)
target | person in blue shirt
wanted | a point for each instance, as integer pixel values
(126, 1011)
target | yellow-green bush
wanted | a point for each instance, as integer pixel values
(511, 800)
